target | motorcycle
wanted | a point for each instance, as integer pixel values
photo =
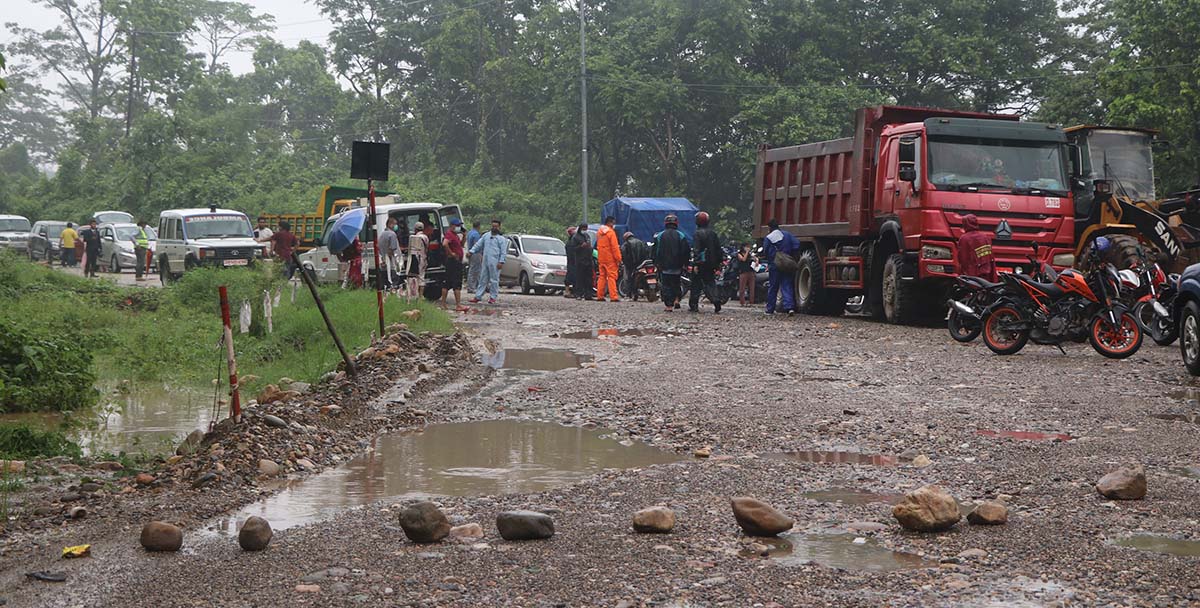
(645, 281)
(1074, 307)
(972, 296)
(1154, 292)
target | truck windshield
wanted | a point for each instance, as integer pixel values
(18, 224)
(217, 226)
(960, 162)
(1124, 157)
(544, 246)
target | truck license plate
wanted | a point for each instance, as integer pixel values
(236, 262)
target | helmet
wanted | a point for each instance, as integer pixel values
(1102, 244)
(702, 218)
(671, 219)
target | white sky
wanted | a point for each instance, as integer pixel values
(295, 20)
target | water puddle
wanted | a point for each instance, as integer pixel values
(460, 459)
(597, 334)
(1191, 472)
(839, 457)
(142, 419)
(1160, 544)
(535, 359)
(848, 496)
(842, 551)
(1024, 435)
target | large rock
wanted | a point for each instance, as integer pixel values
(989, 513)
(654, 519)
(524, 525)
(268, 468)
(161, 536)
(1125, 483)
(423, 522)
(274, 421)
(255, 534)
(927, 509)
(758, 518)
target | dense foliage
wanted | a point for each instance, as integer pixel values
(481, 99)
(43, 371)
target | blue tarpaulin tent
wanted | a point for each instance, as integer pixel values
(644, 216)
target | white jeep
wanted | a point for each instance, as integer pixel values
(190, 238)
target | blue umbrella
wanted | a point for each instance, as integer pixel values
(346, 229)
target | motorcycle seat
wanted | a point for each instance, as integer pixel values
(1050, 289)
(984, 283)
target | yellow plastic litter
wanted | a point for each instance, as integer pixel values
(77, 551)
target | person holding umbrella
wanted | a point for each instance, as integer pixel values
(343, 242)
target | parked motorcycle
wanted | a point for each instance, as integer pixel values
(645, 281)
(1155, 294)
(971, 297)
(1074, 307)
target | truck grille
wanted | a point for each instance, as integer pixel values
(230, 253)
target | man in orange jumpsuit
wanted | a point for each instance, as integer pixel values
(609, 253)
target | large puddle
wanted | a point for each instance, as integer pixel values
(839, 457)
(460, 459)
(850, 496)
(1160, 544)
(535, 359)
(145, 418)
(837, 550)
(597, 334)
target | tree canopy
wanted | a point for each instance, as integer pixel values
(480, 100)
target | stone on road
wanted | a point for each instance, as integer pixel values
(424, 522)
(927, 509)
(524, 525)
(758, 518)
(255, 534)
(1125, 483)
(989, 513)
(161, 536)
(654, 519)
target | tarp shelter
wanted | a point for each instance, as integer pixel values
(644, 216)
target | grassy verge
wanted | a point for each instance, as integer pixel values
(171, 334)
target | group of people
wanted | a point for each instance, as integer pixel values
(88, 239)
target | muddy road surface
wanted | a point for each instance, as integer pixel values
(603, 409)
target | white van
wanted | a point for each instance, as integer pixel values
(436, 218)
(188, 238)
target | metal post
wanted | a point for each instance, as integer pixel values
(350, 368)
(583, 105)
(235, 401)
(378, 267)
(132, 69)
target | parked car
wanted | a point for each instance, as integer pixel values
(189, 238)
(1187, 318)
(323, 265)
(117, 246)
(14, 233)
(534, 263)
(43, 240)
(112, 217)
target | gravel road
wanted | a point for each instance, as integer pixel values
(746, 387)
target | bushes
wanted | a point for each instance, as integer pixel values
(40, 371)
(21, 441)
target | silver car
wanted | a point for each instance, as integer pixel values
(534, 263)
(117, 246)
(14, 233)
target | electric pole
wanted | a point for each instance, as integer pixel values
(132, 68)
(583, 105)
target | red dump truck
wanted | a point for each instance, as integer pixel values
(879, 214)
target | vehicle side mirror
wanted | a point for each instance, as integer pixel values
(908, 173)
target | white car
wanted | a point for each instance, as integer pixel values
(190, 238)
(117, 246)
(14, 233)
(112, 217)
(534, 263)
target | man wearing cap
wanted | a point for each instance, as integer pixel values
(452, 279)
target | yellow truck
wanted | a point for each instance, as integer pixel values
(308, 226)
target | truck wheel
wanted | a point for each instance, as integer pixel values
(899, 296)
(810, 289)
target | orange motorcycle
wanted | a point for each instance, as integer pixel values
(1074, 307)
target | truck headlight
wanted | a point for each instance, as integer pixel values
(1063, 259)
(932, 252)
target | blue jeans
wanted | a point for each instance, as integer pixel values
(781, 281)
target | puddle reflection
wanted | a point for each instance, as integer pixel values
(535, 359)
(834, 550)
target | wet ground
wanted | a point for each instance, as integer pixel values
(828, 419)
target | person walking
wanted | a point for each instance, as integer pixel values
(389, 249)
(671, 254)
(283, 243)
(708, 257)
(581, 250)
(775, 243)
(569, 280)
(141, 245)
(492, 249)
(746, 275)
(352, 255)
(66, 245)
(418, 260)
(91, 249)
(608, 253)
(452, 280)
(975, 256)
(474, 264)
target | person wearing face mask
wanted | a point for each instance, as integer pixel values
(452, 280)
(493, 247)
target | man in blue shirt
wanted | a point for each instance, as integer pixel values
(492, 249)
(474, 264)
(780, 241)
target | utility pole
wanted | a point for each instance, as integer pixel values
(132, 68)
(583, 104)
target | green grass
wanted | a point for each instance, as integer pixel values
(19, 440)
(172, 334)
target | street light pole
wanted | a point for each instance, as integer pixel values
(583, 105)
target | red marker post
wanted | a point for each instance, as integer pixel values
(378, 267)
(235, 401)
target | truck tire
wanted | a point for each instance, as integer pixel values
(812, 297)
(899, 297)
(1123, 254)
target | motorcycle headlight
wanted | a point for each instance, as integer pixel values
(1063, 259)
(932, 252)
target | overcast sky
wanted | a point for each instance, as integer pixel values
(295, 20)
